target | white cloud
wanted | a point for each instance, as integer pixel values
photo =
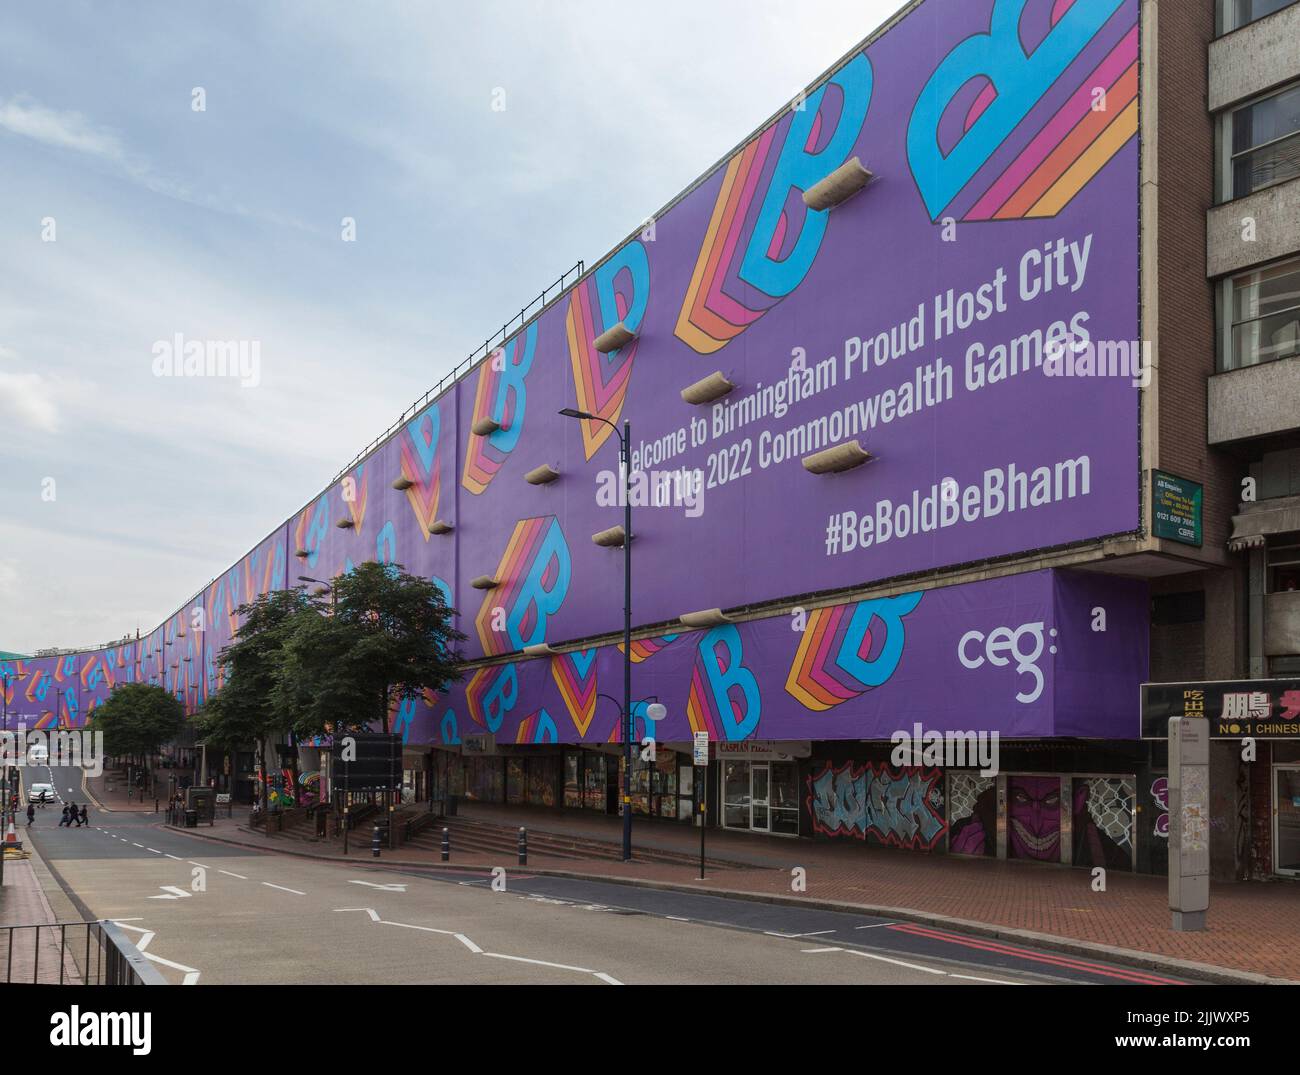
(66, 130)
(27, 399)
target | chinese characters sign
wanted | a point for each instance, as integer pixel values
(1259, 708)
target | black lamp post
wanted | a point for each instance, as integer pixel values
(324, 585)
(624, 445)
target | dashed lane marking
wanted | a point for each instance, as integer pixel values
(283, 889)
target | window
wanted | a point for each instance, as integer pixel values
(1264, 142)
(1239, 13)
(1262, 316)
(1282, 564)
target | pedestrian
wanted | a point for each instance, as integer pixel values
(83, 819)
(31, 814)
(64, 819)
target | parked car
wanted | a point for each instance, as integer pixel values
(41, 793)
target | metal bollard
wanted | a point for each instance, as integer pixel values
(446, 845)
(523, 846)
(376, 842)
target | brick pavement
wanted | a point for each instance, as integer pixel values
(1253, 927)
(29, 953)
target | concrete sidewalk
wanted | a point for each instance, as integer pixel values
(1254, 928)
(108, 791)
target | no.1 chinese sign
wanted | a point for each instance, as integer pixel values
(1258, 708)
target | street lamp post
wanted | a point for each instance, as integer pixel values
(624, 446)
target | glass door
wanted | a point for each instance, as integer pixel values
(760, 781)
(1286, 820)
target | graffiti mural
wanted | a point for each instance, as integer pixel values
(1103, 822)
(898, 807)
(972, 814)
(1034, 818)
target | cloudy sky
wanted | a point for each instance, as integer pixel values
(128, 216)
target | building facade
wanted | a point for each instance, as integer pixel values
(958, 404)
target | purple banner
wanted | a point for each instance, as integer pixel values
(1043, 654)
(925, 319)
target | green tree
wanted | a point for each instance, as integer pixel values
(137, 719)
(388, 638)
(241, 712)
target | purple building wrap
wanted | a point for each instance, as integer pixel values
(925, 318)
(1041, 654)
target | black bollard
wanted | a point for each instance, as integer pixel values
(376, 841)
(523, 846)
(446, 845)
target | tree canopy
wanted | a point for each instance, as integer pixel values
(387, 637)
(137, 718)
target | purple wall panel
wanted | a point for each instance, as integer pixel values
(976, 181)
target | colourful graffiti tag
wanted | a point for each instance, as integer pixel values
(895, 806)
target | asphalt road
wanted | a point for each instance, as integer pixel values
(206, 912)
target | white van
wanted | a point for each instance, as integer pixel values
(38, 754)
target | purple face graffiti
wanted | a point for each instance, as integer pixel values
(1034, 818)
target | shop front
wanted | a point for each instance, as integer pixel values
(760, 785)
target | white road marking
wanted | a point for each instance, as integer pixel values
(191, 974)
(874, 925)
(134, 844)
(474, 948)
(425, 929)
(540, 962)
(973, 978)
(675, 918)
(818, 951)
(176, 893)
(198, 864)
(176, 857)
(395, 887)
(154, 850)
(229, 874)
(897, 962)
(283, 889)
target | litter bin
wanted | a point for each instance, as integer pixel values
(191, 819)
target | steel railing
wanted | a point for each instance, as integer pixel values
(73, 953)
(497, 339)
